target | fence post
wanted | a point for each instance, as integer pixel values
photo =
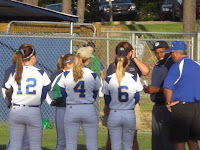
(192, 50)
(133, 40)
(71, 34)
(107, 43)
(198, 45)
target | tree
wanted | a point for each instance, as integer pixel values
(189, 15)
(66, 6)
(81, 10)
(32, 2)
(189, 18)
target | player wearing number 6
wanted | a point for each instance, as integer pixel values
(120, 96)
(80, 87)
(29, 88)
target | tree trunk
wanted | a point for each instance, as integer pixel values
(66, 6)
(32, 2)
(189, 18)
(189, 15)
(81, 10)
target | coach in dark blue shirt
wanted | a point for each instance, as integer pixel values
(182, 93)
(160, 114)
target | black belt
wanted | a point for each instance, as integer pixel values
(80, 104)
(25, 105)
(123, 109)
(188, 102)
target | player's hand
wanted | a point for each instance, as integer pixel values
(146, 89)
(106, 110)
(169, 106)
(53, 103)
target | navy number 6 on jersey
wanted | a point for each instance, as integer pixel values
(122, 95)
(80, 88)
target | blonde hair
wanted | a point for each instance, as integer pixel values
(78, 67)
(120, 62)
(62, 59)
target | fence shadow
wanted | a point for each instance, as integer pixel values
(2, 147)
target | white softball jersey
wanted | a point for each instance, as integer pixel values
(29, 91)
(82, 91)
(122, 97)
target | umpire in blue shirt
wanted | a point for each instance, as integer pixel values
(182, 93)
(160, 114)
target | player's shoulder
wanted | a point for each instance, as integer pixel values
(90, 72)
(67, 72)
(38, 70)
(129, 76)
(108, 78)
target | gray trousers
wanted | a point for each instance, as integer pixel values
(121, 125)
(85, 115)
(160, 131)
(60, 113)
(23, 119)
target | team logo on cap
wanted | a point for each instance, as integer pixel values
(121, 49)
(157, 43)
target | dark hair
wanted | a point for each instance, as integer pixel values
(125, 45)
(91, 44)
(24, 53)
(62, 61)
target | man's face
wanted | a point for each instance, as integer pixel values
(160, 53)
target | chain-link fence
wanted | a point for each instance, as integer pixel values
(49, 46)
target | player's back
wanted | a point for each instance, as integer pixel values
(122, 97)
(29, 90)
(81, 91)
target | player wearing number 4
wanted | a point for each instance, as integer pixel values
(29, 88)
(80, 87)
(119, 92)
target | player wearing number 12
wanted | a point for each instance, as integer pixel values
(80, 87)
(29, 88)
(119, 93)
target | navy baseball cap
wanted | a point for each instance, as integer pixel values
(91, 44)
(160, 44)
(176, 46)
(121, 51)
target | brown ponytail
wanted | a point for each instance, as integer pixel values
(63, 60)
(77, 68)
(24, 53)
(121, 63)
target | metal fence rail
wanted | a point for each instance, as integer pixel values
(49, 46)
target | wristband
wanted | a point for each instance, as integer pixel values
(134, 58)
(168, 103)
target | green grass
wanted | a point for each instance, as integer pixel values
(49, 139)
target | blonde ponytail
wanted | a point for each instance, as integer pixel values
(78, 68)
(120, 62)
(120, 72)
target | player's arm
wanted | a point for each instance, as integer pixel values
(152, 89)
(142, 67)
(7, 101)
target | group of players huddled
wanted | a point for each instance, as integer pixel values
(75, 87)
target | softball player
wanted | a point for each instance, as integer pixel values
(120, 96)
(64, 63)
(80, 87)
(29, 88)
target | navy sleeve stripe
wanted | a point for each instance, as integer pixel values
(107, 79)
(41, 72)
(66, 73)
(44, 92)
(135, 78)
(13, 72)
(94, 75)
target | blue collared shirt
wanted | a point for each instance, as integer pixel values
(183, 80)
(159, 74)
